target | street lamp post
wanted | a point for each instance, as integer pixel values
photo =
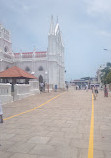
(108, 50)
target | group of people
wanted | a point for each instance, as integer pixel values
(79, 87)
(95, 91)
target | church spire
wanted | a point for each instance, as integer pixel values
(57, 20)
(51, 31)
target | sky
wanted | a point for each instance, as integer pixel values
(85, 27)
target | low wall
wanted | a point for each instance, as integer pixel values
(48, 87)
(5, 93)
(21, 91)
(25, 90)
(34, 87)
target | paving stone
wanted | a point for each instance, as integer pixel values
(21, 147)
(39, 140)
(59, 129)
(46, 150)
(4, 154)
(18, 155)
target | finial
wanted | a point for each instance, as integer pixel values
(51, 31)
(57, 19)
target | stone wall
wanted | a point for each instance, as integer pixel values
(20, 91)
(34, 87)
(25, 90)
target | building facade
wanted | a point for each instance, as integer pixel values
(47, 66)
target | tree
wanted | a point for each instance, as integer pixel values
(108, 77)
(108, 64)
(106, 74)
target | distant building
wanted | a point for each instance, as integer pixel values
(80, 82)
(47, 66)
(90, 81)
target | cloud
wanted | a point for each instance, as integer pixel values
(105, 33)
(97, 7)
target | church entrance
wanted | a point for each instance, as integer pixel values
(41, 85)
(40, 79)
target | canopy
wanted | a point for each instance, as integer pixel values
(16, 72)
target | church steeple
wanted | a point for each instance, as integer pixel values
(51, 31)
(57, 20)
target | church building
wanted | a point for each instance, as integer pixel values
(47, 66)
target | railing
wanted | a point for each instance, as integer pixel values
(25, 90)
(5, 93)
(22, 88)
(5, 89)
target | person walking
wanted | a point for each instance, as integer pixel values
(41, 87)
(93, 92)
(67, 87)
(96, 91)
(86, 88)
(1, 113)
(105, 91)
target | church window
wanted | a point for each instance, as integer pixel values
(40, 68)
(27, 69)
(6, 49)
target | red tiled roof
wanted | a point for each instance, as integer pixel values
(16, 72)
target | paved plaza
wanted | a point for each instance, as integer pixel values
(56, 125)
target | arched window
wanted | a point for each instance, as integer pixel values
(27, 69)
(6, 49)
(40, 68)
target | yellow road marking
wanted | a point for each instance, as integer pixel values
(33, 108)
(91, 138)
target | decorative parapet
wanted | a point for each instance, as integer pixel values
(5, 93)
(34, 86)
(28, 55)
(5, 89)
(25, 90)
(21, 91)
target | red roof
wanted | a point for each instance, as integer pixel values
(15, 72)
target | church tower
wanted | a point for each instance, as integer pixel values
(5, 41)
(6, 55)
(56, 56)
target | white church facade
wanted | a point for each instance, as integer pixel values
(47, 66)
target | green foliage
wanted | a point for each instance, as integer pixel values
(108, 64)
(108, 77)
(106, 74)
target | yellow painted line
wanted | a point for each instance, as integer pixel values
(91, 138)
(33, 108)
